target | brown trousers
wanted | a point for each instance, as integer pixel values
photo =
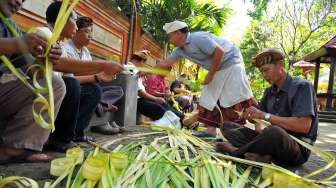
(17, 125)
(273, 141)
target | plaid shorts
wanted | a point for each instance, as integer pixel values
(219, 115)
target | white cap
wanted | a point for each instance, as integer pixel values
(174, 26)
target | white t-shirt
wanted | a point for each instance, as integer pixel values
(141, 85)
(74, 53)
(71, 51)
(64, 55)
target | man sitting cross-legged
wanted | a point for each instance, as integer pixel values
(289, 105)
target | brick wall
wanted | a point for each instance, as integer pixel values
(110, 38)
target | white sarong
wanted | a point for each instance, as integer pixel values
(229, 86)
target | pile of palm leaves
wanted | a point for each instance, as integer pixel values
(176, 159)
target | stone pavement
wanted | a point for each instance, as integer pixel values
(40, 171)
(326, 140)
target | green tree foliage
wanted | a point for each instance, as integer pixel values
(297, 27)
(199, 16)
(260, 7)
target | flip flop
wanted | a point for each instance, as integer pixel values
(28, 157)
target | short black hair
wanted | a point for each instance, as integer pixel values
(53, 10)
(184, 30)
(137, 58)
(184, 75)
(83, 22)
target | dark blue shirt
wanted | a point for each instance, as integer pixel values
(296, 98)
(17, 59)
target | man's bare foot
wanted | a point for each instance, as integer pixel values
(9, 155)
(257, 157)
(225, 147)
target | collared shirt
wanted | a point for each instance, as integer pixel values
(17, 60)
(156, 83)
(71, 51)
(75, 53)
(296, 98)
(200, 47)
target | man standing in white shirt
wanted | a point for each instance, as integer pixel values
(226, 85)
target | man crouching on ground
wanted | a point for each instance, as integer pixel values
(289, 105)
(21, 140)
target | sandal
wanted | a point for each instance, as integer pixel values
(28, 156)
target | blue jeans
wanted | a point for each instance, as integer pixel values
(154, 110)
(76, 110)
(89, 99)
(167, 106)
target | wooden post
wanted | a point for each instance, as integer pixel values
(317, 75)
(131, 31)
(137, 33)
(330, 97)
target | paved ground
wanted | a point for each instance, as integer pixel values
(326, 140)
(40, 171)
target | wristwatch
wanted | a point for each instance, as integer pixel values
(267, 116)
